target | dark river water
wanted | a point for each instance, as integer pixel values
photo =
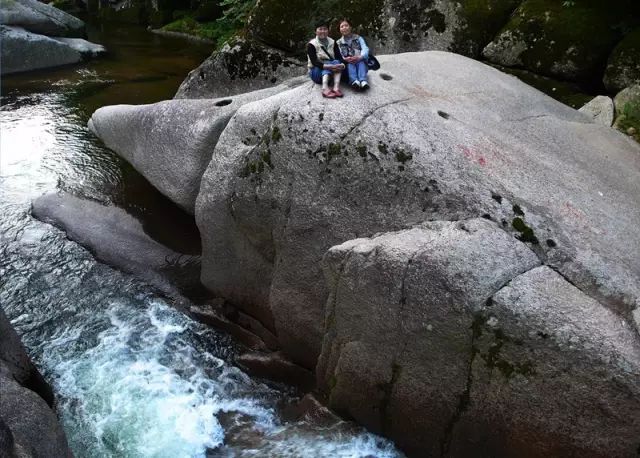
(133, 377)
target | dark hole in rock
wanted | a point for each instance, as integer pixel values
(386, 76)
(442, 114)
(551, 243)
(224, 102)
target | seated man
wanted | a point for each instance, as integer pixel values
(325, 61)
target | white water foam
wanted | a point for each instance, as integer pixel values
(142, 390)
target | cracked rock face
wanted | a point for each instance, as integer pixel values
(554, 373)
(399, 324)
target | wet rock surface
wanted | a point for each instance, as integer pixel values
(28, 425)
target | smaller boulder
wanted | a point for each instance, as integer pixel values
(601, 109)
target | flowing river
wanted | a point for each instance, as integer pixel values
(133, 377)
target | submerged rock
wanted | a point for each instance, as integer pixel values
(28, 425)
(601, 109)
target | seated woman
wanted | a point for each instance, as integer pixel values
(325, 61)
(354, 52)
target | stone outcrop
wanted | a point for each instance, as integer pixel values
(24, 41)
(28, 425)
(239, 66)
(602, 110)
(40, 18)
(449, 192)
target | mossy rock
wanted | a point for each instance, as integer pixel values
(480, 21)
(567, 40)
(289, 25)
(627, 104)
(623, 68)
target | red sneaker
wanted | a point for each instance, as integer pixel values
(328, 93)
(338, 93)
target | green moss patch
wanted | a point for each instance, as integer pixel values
(567, 40)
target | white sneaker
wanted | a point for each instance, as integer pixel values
(364, 85)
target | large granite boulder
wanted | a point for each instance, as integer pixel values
(25, 51)
(451, 339)
(28, 426)
(239, 66)
(439, 136)
(623, 67)
(40, 18)
(569, 41)
(170, 142)
(399, 323)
